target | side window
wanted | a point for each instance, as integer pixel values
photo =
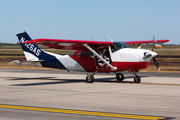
(80, 54)
(71, 54)
(88, 53)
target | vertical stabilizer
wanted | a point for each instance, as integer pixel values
(31, 51)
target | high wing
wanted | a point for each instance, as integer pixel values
(68, 44)
(78, 44)
(136, 43)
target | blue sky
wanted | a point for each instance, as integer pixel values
(123, 20)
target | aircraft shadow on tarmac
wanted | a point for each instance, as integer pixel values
(36, 78)
(52, 80)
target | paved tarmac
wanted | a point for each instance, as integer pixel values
(56, 94)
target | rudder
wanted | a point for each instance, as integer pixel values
(31, 51)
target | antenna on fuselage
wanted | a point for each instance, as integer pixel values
(109, 37)
(139, 47)
(91, 38)
(105, 39)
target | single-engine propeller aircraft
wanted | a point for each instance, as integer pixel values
(115, 57)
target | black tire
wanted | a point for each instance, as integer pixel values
(137, 79)
(119, 76)
(90, 79)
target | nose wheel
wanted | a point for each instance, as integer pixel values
(119, 76)
(137, 79)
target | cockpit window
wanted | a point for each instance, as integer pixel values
(88, 53)
(119, 45)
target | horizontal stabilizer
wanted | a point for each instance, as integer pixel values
(33, 63)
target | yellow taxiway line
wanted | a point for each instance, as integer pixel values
(80, 112)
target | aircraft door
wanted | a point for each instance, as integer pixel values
(105, 54)
(87, 60)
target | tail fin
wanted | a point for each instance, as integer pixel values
(31, 51)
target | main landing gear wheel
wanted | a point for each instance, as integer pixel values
(119, 76)
(137, 79)
(90, 78)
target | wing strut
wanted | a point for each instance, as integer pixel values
(94, 52)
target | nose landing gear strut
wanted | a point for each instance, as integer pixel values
(137, 79)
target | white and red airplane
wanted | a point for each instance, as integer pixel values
(86, 58)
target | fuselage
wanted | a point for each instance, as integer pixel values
(124, 59)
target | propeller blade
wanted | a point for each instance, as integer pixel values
(156, 63)
(153, 42)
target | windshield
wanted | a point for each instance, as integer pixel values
(119, 45)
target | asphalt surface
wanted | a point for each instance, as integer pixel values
(56, 94)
